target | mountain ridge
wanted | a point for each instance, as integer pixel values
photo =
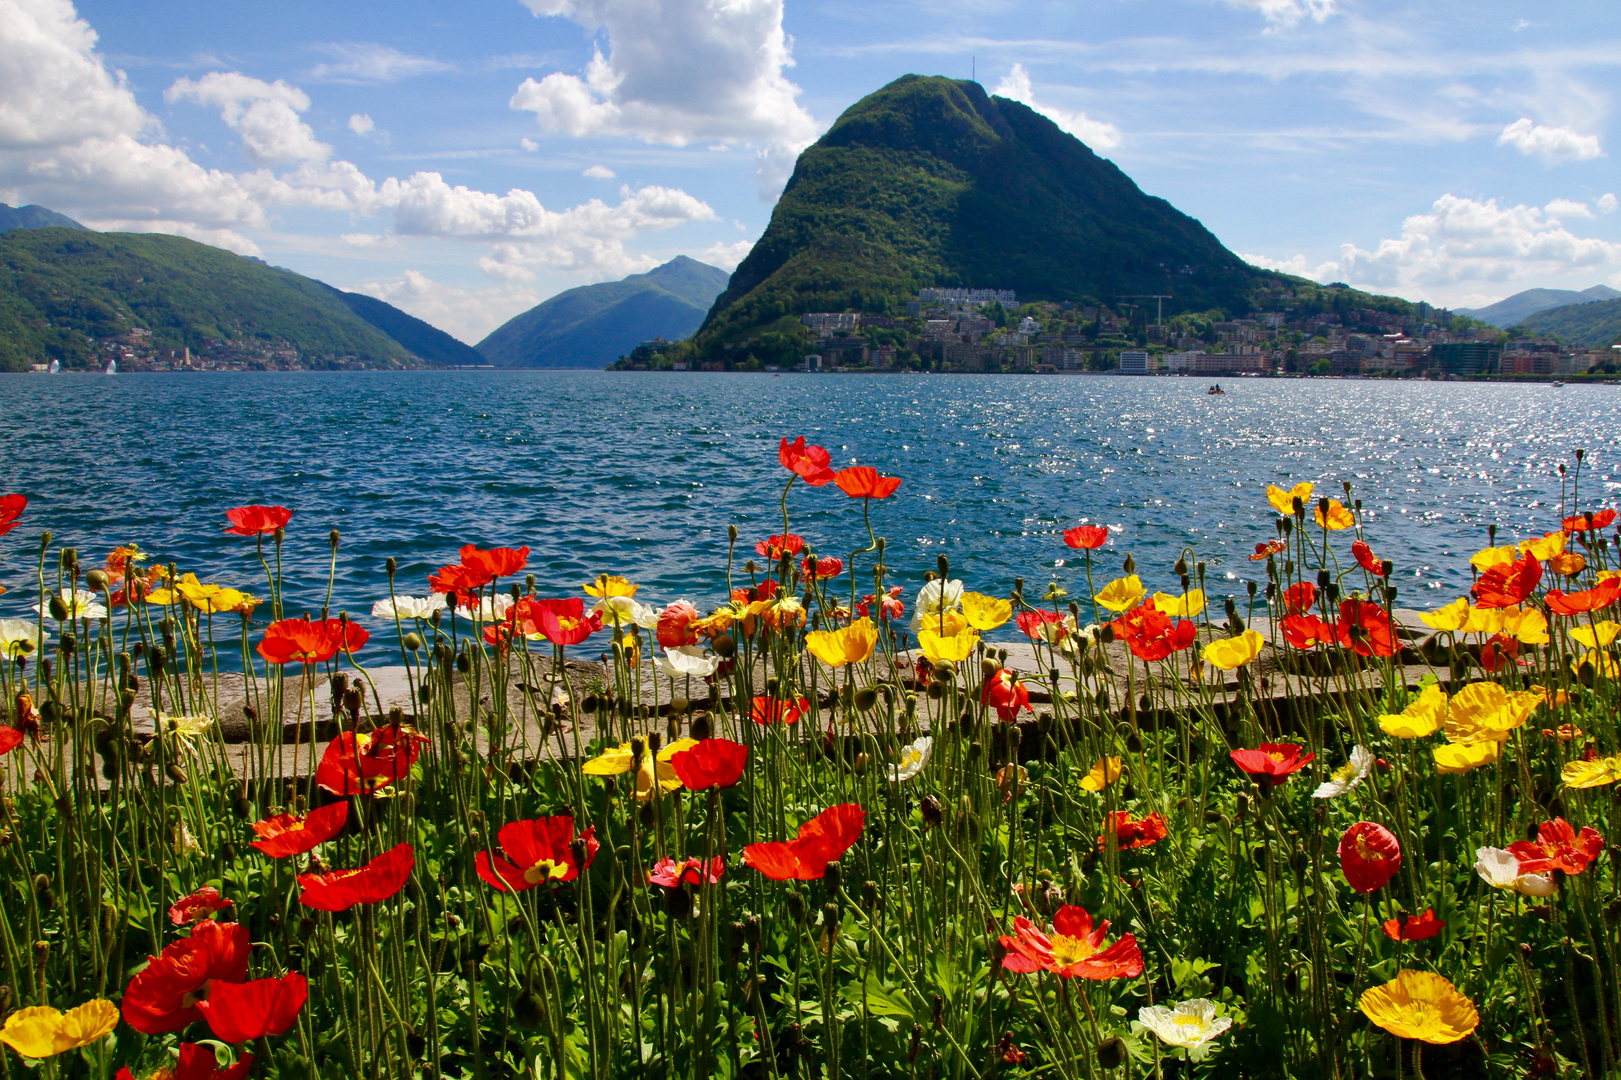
(1592, 324)
(1522, 305)
(34, 216)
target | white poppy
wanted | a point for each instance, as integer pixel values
(1189, 1025)
(20, 637)
(408, 607)
(1347, 776)
(936, 596)
(687, 660)
(81, 604)
(914, 756)
(624, 610)
(491, 609)
(1501, 870)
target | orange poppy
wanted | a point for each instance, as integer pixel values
(1366, 628)
(1007, 694)
(538, 851)
(11, 508)
(257, 520)
(776, 546)
(1279, 761)
(1144, 832)
(1580, 603)
(285, 835)
(1508, 584)
(1267, 550)
(1365, 559)
(1558, 846)
(713, 763)
(864, 482)
(1152, 635)
(301, 641)
(810, 463)
(822, 568)
(1086, 537)
(201, 904)
(1589, 522)
(821, 840)
(1307, 631)
(767, 710)
(1414, 927)
(365, 762)
(1076, 949)
(240, 1012)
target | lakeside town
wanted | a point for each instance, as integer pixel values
(989, 331)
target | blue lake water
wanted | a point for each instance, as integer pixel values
(640, 474)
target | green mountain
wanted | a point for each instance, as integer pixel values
(424, 340)
(1523, 305)
(1588, 325)
(33, 217)
(61, 288)
(593, 325)
(930, 181)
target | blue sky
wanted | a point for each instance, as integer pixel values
(467, 161)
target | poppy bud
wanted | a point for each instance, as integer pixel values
(1112, 1053)
(725, 646)
(700, 727)
(332, 538)
(860, 766)
(678, 903)
(866, 698)
(1130, 565)
(870, 898)
(464, 663)
(797, 911)
(70, 642)
(1106, 633)
(59, 610)
(96, 580)
(916, 1044)
(1242, 806)
(831, 877)
(945, 566)
(390, 565)
(577, 849)
(930, 806)
(975, 749)
(751, 931)
(1250, 586)
(529, 1011)
(1181, 568)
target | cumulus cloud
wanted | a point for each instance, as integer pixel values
(1463, 242)
(1606, 203)
(362, 124)
(726, 256)
(599, 172)
(1552, 144)
(368, 62)
(466, 314)
(678, 71)
(1288, 12)
(1097, 134)
(265, 115)
(1559, 208)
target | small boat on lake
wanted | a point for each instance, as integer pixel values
(1216, 389)
(112, 368)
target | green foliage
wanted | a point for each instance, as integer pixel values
(1587, 325)
(60, 287)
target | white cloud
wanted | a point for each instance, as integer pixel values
(1559, 208)
(368, 62)
(725, 256)
(1469, 247)
(528, 145)
(1550, 143)
(1606, 203)
(1288, 12)
(1297, 265)
(265, 115)
(466, 314)
(1097, 134)
(362, 124)
(599, 172)
(678, 71)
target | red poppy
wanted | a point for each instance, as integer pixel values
(1276, 760)
(300, 641)
(1267, 550)
(285, 835)
(766, 710)
(538, 851)
(863, 482)
(243, 1011)
(1007, 693)
(1034, 624)
(1307, 631)
(672, 874)
(777, 545)
(10, 738)
(1580, 603)
(373, 883)
(810, 463)
(1076, 948)
(199, 905)
(1299, 598)
(822, 568)
(1508, 584)
(458, 580)
(1500, 652)
(256, 520)
(675, 625)
(360, 764)
(1366, 560)
(713, 763)
(1558, 846)
(1144, 832)
(1365, 627)
(823, 839)
(1369, 856)
(11, 508)
(1086, 537)
(1414, 927)
(197, 1062)
(890, 608)
(1152, 635)
(1580, 523)
(496, 562)
(763, 591)
(163, 997)
(564, 622)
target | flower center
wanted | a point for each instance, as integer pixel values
(1277, 757)
(1344, 773)
(546, 870)
(1071, 950)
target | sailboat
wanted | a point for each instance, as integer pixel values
(112, 367)
(56, 366)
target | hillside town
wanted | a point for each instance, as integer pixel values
(135, 350)
(988, 330)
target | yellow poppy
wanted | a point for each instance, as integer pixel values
(1486, 558)
(1284, 501)
(1451, 618)
(42, 1032)
(621, 759)
(1185, 606)
(1606, 575)
(1554, 699)
(847, 645)
(1590, 774)
(1422, 717)
(608, 585)
(1122, 594)
(1105, 771)
(1484, 621)
(1420, 1005)
(1597, 636)
(1544, 547)
(1337, 518)
(1234, 652)
(1570, 563)
(942, 649)
(1484, 711)
(1527, 625)
(944, 623)
(1457, 758)
(985, 612)
(1601, 662)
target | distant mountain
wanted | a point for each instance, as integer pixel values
(60, 288)
(33, 217)
(1522, 305)
(593, 325)
(1588, 325)
(931, 182)
(423, 339)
